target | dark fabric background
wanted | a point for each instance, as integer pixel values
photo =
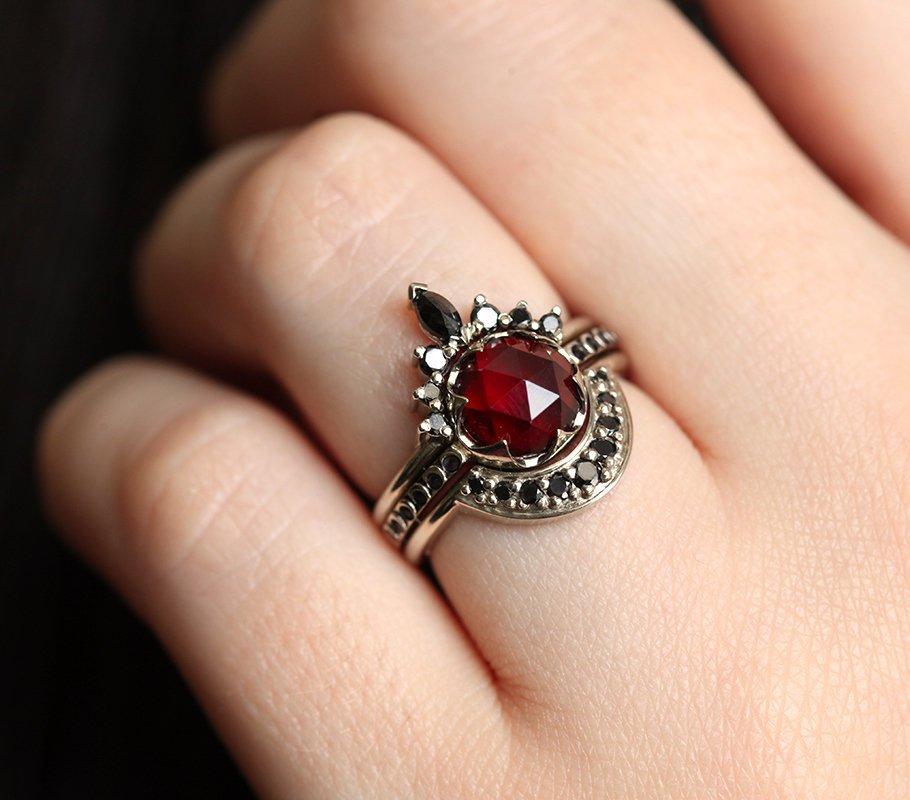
(98, 119)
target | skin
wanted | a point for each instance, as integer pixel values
(733, 620)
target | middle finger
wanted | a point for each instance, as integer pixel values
(642, 176)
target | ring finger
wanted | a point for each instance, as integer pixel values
(294, 256)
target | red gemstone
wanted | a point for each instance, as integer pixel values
(520, 391)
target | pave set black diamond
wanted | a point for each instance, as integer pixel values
(421, 492)
(592, 344)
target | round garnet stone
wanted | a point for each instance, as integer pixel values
(520, 391)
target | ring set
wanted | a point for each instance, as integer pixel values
(524, 420)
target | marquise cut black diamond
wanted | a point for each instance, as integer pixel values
(437, 316)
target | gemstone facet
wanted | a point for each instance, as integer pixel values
(437, 316)
(519, 394)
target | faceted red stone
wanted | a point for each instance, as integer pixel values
(520, 391)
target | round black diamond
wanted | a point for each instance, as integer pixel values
(558, 485)
(475, 484)
(603, 446)
(529, 493)
(433, 360)
(585, 473)
(405, 512)
(394, 526)
(450, 462)
(437, 316)
(418, 497)
(550, 323)
(519, 315)
(502, 491)
(434, 479)
(611, 423)
(579, 351)
(486, 316)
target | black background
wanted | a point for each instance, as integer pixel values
(98, 119)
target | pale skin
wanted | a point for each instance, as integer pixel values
(733, 620)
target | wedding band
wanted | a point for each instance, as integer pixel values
(524, 420)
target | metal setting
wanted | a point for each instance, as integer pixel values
(448, 471)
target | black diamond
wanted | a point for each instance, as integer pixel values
(585, 473)
(433, 360)
(603, 446)
(437, 316)
(612, 423)
(475, 484)
(550, 323)
(405, 512)
(519, 315)
(579, 351)
(590, 342)
(450, 462)
(486, 316)
(529, 493)
(394, 526)
(502, 491)
(433, 479)
(558, 485)
(418, 497)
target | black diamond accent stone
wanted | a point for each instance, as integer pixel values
(579, 351)
(585, 473)
(603, 446)
(418, 497)
(502, 491)
(437, 316)
(405, 512)
(611, 423)
(486, 316)
(475, 484)
(394, 526)
(433, 479)
(519, 315)
(550, 323)
(450, 462)
(558, 485)
(529, 493)
(590, 342)
(433, 360)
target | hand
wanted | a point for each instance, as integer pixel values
(733, 620)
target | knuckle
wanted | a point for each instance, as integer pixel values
(312, 197)
(178, 494)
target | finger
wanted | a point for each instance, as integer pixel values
(329, 318)
(326, 663)
(640, 174)
(299, 255)
(837, 74)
